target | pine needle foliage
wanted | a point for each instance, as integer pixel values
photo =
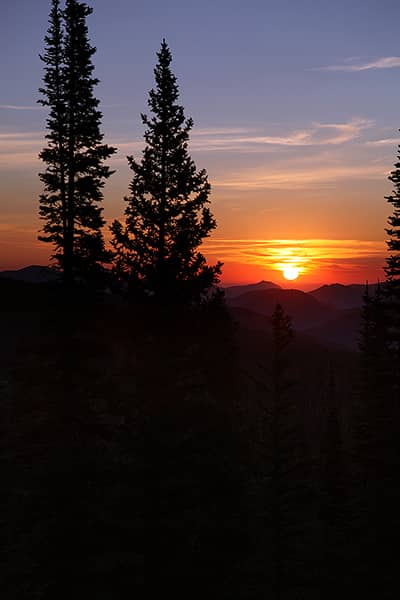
(75, 172)
(392, 270)
(393, 262)
(167, 214)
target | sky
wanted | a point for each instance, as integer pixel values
(296, 105)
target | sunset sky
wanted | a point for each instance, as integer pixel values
(296, 107)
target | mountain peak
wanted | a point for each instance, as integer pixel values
(237, 290)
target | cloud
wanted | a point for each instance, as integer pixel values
(318, 134)
(238, 139)
(246, 141)
(384, 142)
(386, 62)
(340, 132)
(20, 148)
(18, 107)
(213, 140)
(16, 228)
(307, 254)
(221, 131)
(19, 135)
(287, 178)
(23, 147)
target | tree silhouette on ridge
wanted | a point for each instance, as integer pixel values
(166, 215)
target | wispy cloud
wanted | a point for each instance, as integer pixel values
(243, 140)
(318, 134)
(222, 131)
(16, 228)
(308, 255)
(20, 148)
(20, 107)
(384, 142)
(286, 178)
(19, 135)
(385, 62)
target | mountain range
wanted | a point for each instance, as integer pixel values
(330, 314)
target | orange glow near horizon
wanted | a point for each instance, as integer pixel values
(315, 261)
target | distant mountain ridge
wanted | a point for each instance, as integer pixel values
(305, 310)
(237, 290)
(330, 314)
(32, 274)
(342, 296)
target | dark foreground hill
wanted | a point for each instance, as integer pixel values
(343, 329)
(330, 313)
(31, 274)
(138, 454)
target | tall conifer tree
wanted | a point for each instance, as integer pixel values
(392, 271)
(75, 173)
(377, 432)
(393, 262)
(167, 216)
(53, 203)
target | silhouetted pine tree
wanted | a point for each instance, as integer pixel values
(388, 437)
(53, 204)
(392, 271)
(167, 216)
(378, 433)
(75, 154)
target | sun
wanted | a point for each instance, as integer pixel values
(291, 273)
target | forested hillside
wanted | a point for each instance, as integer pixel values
(138, 448)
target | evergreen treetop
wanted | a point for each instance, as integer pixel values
(392, 287)
(75, 154)
(393, 262)
(167, 216)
